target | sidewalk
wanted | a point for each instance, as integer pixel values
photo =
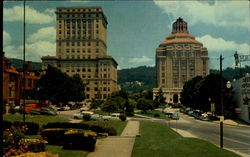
(118, 146)
(232, 123)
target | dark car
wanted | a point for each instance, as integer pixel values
(35, 112)
(48, 111)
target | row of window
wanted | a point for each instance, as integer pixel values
(91, 15)
(78, 43)
(82, 10)
(78, 50)
(99, 89)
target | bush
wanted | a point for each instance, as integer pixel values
(131, 114)
(11, 138)
(32, 145)
(7, 124)
(156, 115)
(54, 136)
(31, 128)
(41, 154)
(122, 117)
(103, 127)
(79, 139)
(177, 105)
(86, 117)
(67, 125)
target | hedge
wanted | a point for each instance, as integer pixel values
(67, 125)
(54, 136)
(80, 140)
(103, 127)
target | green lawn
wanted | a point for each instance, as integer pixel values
(64, 152)
(118, 125)
(158, 140)
(40, 119)
(151, 114)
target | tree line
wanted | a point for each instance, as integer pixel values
(200, 92)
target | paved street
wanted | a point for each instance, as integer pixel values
(235, 138)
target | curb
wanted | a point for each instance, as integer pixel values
(238, 125)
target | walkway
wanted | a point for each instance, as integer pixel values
(118, 146)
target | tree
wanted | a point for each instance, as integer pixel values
(58, 87)
(199, 93)
(95, 103)
(109, 106)
(144, 105)
(159, 99)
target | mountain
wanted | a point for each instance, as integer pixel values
(18, 64)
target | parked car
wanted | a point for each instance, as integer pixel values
(35, 112)
(96, 117)
(113, 116)
(81, 114)
(175, 116)
(48, 111)
(84, 108)
(212, 117)
(78, 116)
(66, 108)
(204, 117)
(190, 113)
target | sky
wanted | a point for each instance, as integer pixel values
(135, 28)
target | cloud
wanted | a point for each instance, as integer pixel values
(32, 16)
(219, 44)
(33, 51)
(6, 38)
(46, 34)
(220, 13)
(140, 60)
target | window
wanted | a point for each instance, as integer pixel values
(73, 44)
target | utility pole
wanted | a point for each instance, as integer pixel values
(221, 120)
(24, 70)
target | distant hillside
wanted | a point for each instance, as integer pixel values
(137, 79)
(18, 64)
(147, 76)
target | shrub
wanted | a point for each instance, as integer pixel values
(103, 127)
(177, 105)
(156, 115)
(32, 145)
(79, 139)
(67, 125)
(41, 154)
(7, 124)
(11, 138)
(122, 117)
(131, 114)
(86, 117)
(54, 136)
(32, 128)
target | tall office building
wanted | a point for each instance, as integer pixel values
(81, 48)
(178, 59)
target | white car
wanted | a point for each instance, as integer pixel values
(81, 114)
(113, 116)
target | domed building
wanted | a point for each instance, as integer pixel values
(178, 59)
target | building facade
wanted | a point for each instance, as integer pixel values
(81, 48)
(13, 84)
(178, 59)
(241, 89)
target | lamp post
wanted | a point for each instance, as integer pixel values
(228, 85)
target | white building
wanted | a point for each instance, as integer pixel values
(241, 88)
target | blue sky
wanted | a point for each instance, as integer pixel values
(135, 28)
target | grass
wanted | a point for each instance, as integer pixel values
(118, 125)
(64, 152)
(40, 119)
(159, 140)
(151, 114)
